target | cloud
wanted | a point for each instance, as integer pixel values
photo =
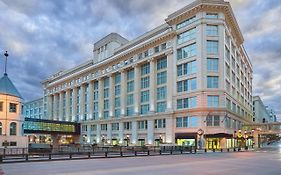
(41, 36)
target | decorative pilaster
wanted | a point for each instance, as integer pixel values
(152, 87)
(60, 116)
(67, 105)
(91, 100)
(137, 90)
(170, 81)
(101, 102)
(111, 96)
(74, 104)
(123, 94)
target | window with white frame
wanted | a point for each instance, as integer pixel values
(212, 47)
(213, 101)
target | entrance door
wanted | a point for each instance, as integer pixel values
(213, 143)
(141, 142)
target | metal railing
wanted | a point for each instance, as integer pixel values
(12, 155)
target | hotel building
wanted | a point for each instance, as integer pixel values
(189, 73)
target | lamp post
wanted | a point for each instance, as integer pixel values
(200, 132)
(102, 140)
(127, 139)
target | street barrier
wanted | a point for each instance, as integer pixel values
(13, 155)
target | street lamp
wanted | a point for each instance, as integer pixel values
(200, 132)
(127, 139)
(102, 139)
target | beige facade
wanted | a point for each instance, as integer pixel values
(190, 73)
(11, 120)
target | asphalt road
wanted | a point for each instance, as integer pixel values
(266, 161)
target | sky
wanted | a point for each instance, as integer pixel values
(43, 37)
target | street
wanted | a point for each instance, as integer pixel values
(265, 161)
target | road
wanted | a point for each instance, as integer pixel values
(262, 162)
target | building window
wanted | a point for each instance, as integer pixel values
(156, 49)
(106, 82)
(145, 69)
(130, 99)
(1, 106)
(161, 106)
(212, 47)
(186, 52)
(186, 36)
(187, 103)
(142, 124)
(93, 127)
(117, 113)
(117, 102)
(160, 123)
(103, 127)
(117, 78)
(162, 63)
(144, 96)
(193, 121)
(187, 68)
(130, 74)
(127, 125)
(144, 82)
(117, 90)
(213, 120)
(13, 107)
(84, 128)
(144, 109)
(212, 64)
(212, 30)
(187, 85)
(212, 15)
(13, 129)
(213, 101)
(115, 127)
(184, 122)
(212, 82)
(163, 46)
(106, 93)
(161, 78)
(186, 22)
(106, 114)
(130, 86)
(161, 93)
(130, 111)
(181, 122)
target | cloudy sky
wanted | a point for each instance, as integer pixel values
(45, 36)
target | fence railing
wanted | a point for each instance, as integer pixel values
(12, 155)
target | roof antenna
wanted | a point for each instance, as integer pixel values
(6, 59)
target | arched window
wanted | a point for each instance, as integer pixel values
(0, 128)
(13, 129)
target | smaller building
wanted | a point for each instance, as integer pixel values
(11, 120)
(260, 111)
(272, 114)
(33, 109)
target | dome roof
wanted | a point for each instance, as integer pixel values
(7, 87)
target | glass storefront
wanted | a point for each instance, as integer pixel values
(213, 143)
(186, 142)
